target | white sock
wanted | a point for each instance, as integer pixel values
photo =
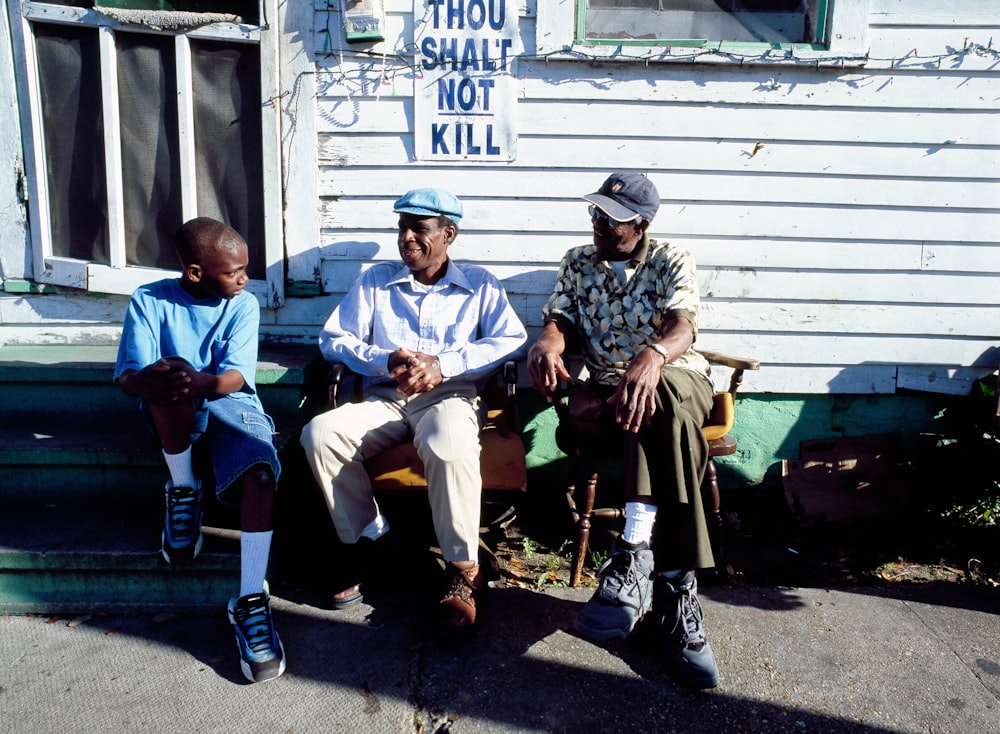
(181, 469)
(376, 528)
(255, 549)
(639, 518)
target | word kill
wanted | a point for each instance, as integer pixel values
(465, 136)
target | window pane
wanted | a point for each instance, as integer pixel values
(227, 129)
(69, 74)
(759, 21)
(147, 99)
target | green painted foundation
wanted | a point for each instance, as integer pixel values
(769, 429)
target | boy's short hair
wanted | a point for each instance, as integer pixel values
(197, 235)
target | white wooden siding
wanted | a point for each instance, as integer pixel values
(856, 251)
(846, 221)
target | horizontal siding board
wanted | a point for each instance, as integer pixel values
(714, 220)
(833, 287)
(923, 45)
(902, 84)
(696, 155)
(765, 123)
(761, 187)
(851, 318)
(839, 349)
(971, 87)
(932, 13)
(548, 247)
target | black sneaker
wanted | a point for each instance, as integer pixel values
(687, 654)
(262, 656)
(181, 539)
(623, 594)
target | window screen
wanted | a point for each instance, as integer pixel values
(69, 74)
(703, 21)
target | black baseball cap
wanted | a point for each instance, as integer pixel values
(625, 196)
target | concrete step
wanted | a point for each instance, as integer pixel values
(81, 487)
(86, 557)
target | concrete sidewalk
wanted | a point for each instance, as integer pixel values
(915, 659)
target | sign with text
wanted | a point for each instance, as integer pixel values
(465, 90)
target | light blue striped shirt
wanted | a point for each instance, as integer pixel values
(465, 320)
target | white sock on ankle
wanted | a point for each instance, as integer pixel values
(639, 518)
(181, 469)
(255, 549)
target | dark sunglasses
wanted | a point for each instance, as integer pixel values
(601, 217)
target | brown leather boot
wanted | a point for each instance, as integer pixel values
(458, 607)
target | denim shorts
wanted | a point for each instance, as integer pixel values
(230, 437)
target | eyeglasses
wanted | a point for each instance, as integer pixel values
(601, 217)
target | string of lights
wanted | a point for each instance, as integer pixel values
(391, 65)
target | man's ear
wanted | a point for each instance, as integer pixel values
(193, 272)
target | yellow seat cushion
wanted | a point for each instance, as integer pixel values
(722, 417)
(501, 462)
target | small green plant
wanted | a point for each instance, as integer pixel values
(597, 557)
(528, 546)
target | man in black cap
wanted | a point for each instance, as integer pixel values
(632, 303)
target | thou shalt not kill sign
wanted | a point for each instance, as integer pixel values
(465, 96)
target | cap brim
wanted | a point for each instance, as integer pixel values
(612, 208)
(421, 212)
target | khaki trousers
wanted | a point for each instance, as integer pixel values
(444, 426)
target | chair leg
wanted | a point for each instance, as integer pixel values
(713, 512)
(583, 529)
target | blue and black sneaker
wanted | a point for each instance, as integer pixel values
(623, 594)
(686, 652)
(262, 656)
(181, 540)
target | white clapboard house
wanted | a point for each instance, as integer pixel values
(834, 166)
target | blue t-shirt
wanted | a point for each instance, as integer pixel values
(213, 334)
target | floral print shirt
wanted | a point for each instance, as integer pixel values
(616, 320)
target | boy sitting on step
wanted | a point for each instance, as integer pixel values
(189, 352)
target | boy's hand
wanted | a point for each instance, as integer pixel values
(164, 381)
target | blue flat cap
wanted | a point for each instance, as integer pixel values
(429, 203)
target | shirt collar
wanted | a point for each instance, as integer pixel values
(454, 277)
(640, 255)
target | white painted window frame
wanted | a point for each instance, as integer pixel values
(117, 276)
(846, 30)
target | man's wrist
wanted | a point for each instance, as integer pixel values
(662, 351)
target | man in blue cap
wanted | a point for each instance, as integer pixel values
(633, 302)
(422, 335)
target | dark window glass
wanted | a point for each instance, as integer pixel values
(227, 126)
(147, 97)
(69, 74)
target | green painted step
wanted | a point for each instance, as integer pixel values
(81, 488)
(76, 558)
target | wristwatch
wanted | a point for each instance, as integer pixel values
(659, 349)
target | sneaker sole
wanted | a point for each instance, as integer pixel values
(180, 554)
(270, 674)
(605, 635)
(246, 668)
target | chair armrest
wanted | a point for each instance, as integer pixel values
(737, 363)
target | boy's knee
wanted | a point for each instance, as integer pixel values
(261, 475)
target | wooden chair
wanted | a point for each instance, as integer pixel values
(502, 459)
(588, 453)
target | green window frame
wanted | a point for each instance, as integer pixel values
(815, 25)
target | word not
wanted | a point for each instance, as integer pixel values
(466, 95)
